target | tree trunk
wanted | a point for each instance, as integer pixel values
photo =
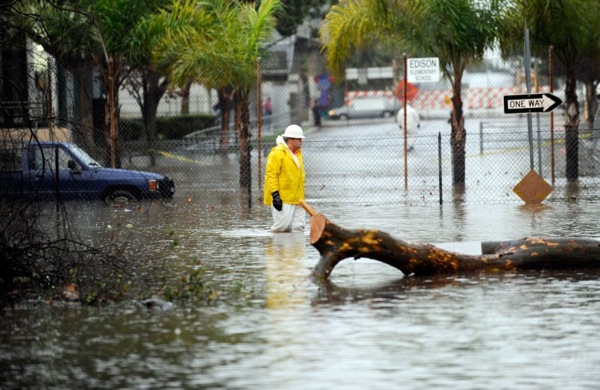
(335, 244)
(185, 98)
(225, 101)
(242, 125)
(111, 133)
(84, 107)
(153, 91)
(591, 104)
(571, 127)
(458, 138)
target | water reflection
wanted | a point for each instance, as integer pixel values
(367, 327)
(389, 291)
(458, 193)
(534, 208)
(286, 274)
(573, 190)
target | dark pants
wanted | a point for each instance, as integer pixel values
(317, 116)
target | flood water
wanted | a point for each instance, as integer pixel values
(369, 327)
(268, 325)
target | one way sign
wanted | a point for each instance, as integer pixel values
(539, 102)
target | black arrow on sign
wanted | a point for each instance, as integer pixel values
(539, 102)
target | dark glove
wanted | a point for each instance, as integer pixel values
(277, 203)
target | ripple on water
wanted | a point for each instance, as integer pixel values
(368, 327)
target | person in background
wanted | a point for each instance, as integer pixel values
(284, 181)
(268, 107)
(413, 124)
(316, 111)
(268, 111)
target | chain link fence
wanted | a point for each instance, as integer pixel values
(365, 162)
(355, 148)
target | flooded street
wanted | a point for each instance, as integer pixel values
(368, 327)
(265, 324)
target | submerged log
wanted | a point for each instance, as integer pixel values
(336, 243)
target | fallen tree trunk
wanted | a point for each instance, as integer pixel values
(335, 244)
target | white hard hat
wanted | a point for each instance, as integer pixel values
(293, 131)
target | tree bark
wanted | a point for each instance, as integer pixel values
(571, 126)
(242, 125)
(84, 106)
(153, 90)
(336, 243)
(112, 129)
(185, 97)
(590, 103)
(458, 139)
(226, 96)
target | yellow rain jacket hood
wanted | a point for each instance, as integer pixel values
(284, 174)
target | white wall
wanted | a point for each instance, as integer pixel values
(201, 102)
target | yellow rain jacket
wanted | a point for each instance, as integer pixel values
(283, 175)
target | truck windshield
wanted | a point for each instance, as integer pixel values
(83, 156)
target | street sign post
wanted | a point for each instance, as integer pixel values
(529, 103)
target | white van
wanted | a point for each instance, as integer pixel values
(365, 107)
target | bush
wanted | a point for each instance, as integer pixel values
(167, 127)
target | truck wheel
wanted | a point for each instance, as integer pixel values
(120, 196)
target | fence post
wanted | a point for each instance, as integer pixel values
(480, 137)
(440, 164)
(537, 121)
(259, 121)
(405, 130)
(551, 83)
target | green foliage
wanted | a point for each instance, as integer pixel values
(349, 26)
(569, 26)
(455, 31)
(110, 290)
(295, 12)
(215, 42)
(171, 127)
(192, 287)
(96, 29)
(196, 288)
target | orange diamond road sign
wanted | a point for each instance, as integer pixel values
(533, 188)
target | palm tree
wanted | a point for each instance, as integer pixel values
(117, 32)
(456, 31)
(145, 82)
(589, 74)
(217, 43)
(571, 28)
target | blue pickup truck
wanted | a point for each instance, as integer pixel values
(62, 170)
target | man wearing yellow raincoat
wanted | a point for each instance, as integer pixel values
(284, 181)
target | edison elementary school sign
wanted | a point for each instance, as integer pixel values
(423, 70)
(539, 102)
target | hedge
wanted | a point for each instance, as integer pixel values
(168, 127)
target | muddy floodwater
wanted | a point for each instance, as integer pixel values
(370, 327)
